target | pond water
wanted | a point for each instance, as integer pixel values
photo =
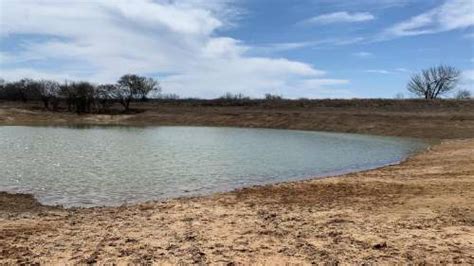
(92, 166)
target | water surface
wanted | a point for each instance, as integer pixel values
(115, 165)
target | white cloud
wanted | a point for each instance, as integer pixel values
(453, 14)
(403, 70)
(468, 75)
(329, 42)
(5, 58)
(398, 70)
(379, 71)
(177, 40)
(17, 73)
(366, 4)
(286, 46)
(467, 79)
(251, 76)
(340, 17)
(363, 54)
(322, 88)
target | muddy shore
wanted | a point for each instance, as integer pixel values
(421, 211)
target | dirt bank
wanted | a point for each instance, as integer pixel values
(440, 120)
(420, 211)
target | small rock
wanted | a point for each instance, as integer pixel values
(380, 245)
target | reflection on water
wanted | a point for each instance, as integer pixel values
(90, 166)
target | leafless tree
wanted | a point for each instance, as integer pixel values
(104, 96)
(399, 96)
(133, 87)
(168, 96)
(273, 97)
(463, 94)
(82, 97)
(69, 94)
(229, 96)
(19, 90)
(127, 89)
(149, 86)
(79, 96)
(84, 100)
(48, 91)
(10, 91)
(434, 82)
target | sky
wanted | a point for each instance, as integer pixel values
(205, 48)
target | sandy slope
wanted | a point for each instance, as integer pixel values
(419, 211)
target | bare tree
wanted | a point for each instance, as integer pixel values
(48, 91)
(11, 92)
(3, 84)
(148, 87)
(399, 96)
(82, 97)
(168, 96)
(68, 93)
(18, 90)
(130, 87)
(434, 82)
(79, 96)
(84, 100)
(229, 96)
(463, 94)
(104, 96)
(273, 97)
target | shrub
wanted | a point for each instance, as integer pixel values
(463, 94)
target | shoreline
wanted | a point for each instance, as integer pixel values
(428, 143)
(432, 120)
(333, 174)
(418, 211)
(368, 216)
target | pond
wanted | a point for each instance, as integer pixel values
(95, 166)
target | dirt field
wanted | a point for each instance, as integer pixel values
(421, 211)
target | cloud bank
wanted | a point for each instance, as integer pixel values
(177, 41)
(340, 17)
(454, 14)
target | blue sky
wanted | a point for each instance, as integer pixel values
(204, 48)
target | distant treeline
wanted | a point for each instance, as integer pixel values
(81, 97)
(85, 97)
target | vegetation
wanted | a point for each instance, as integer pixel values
(81, 97)
(273, 97)
(434, 82)
(234, 97)
(399, 96)
(169, 96)
(84, 97)
(463, 94)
